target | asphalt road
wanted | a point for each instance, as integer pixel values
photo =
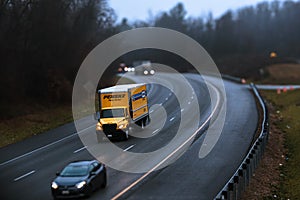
(28, 167)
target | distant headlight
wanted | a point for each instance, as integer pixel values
(80, 184)
(146, 72)
(121, 126)
(152, 72)
(54, 185)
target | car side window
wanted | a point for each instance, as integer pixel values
(96, 166)
(91, 168)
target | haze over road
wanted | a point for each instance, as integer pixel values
(27, 168)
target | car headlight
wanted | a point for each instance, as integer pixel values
(146, 72)
(152, 72)
(54, 185)
(121, 126)
(80, 184)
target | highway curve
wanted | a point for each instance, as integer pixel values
(28, 167)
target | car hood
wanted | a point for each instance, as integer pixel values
(68, 181)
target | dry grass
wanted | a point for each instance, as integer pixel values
(283, 74)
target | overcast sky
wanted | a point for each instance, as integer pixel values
(140, 9)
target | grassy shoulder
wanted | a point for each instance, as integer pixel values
(288, 109)
(40, 120)
(35, 119)
(278, 176)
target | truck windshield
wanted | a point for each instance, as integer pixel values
(112, 113)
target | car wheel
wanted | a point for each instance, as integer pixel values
(89, 191)
(104, 181)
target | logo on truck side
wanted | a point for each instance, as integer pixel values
(115, 96)
(137, 96)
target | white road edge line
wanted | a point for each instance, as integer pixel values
(76, 151)
(23, 176)
(171, 154)
(128, 148)
(155, 131)
(43, 147)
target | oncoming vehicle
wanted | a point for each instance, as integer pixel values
(121, 106)
(78, 179)
(143, 68)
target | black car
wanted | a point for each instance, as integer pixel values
(78, 179)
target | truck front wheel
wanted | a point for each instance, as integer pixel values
(126, 134)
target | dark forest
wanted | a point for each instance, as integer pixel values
(43, 42)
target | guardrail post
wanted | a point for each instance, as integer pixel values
(254, 159)
(249, 173)
(224, 195)
(235, 187)
(263, 143)
(230, 191)
(258, 154)
(257, 147)
(241, 181)
(245, 174)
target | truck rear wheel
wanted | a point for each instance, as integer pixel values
(145, 121)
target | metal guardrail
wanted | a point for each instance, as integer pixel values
(241, 178)
(232, 78)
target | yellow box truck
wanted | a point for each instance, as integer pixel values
(119, 107)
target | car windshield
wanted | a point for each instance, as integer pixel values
(112, 113)
(75, 170)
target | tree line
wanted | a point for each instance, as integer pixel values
(241, 41)
(43, 42)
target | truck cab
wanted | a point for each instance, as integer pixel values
(114, 120)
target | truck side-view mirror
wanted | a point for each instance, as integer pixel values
(97, 115)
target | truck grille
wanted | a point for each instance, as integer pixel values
(109, 128)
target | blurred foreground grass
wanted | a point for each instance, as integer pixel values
(288, 110)
(25, 126)
(37, 119)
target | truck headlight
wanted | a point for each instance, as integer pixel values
(98, 126)
(121, 126)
